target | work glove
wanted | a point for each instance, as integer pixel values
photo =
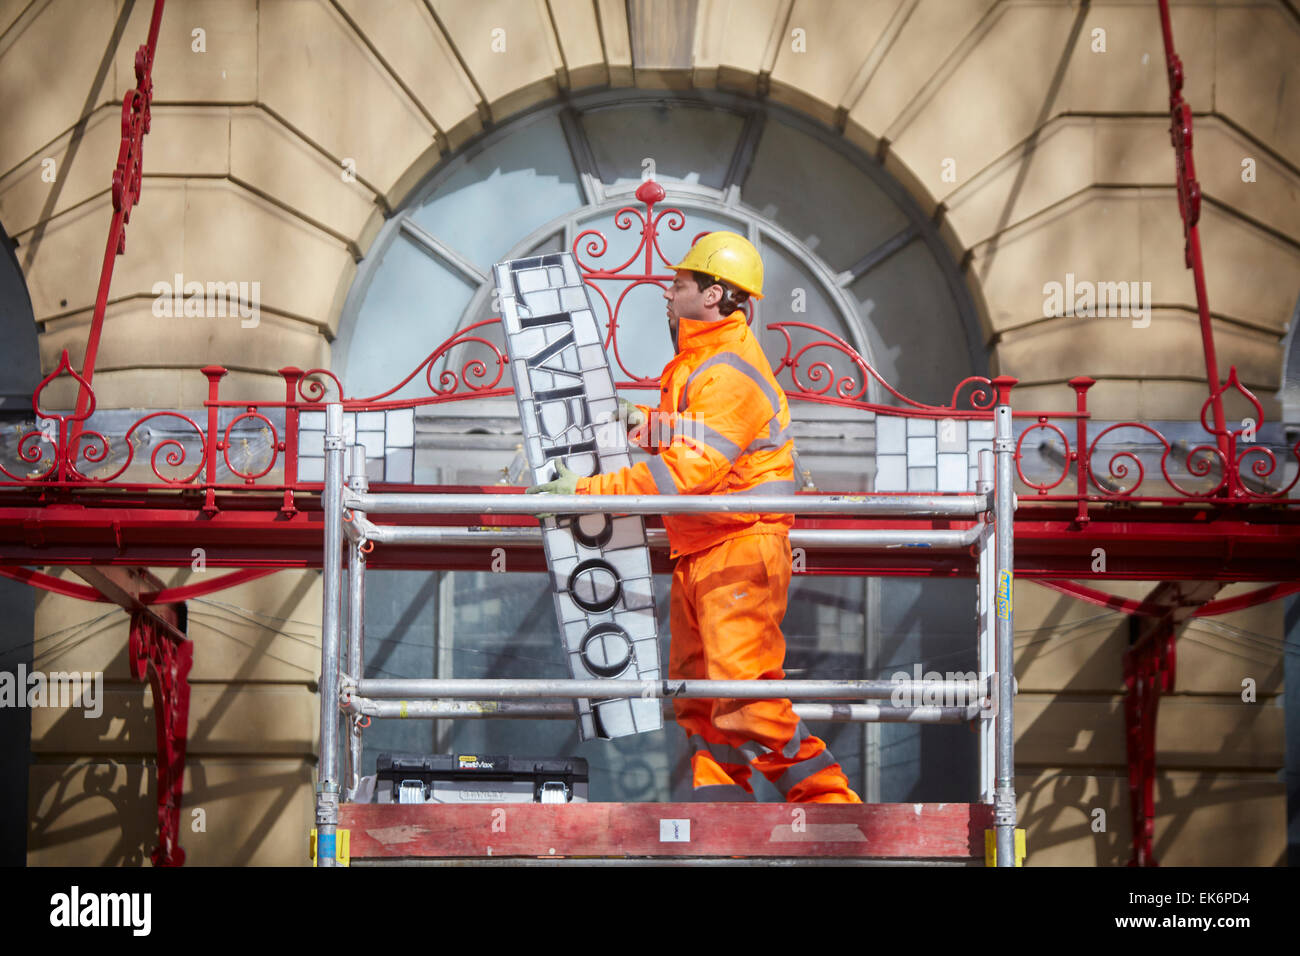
(631, 416)
(565, 483)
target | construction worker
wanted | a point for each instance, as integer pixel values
(721, 428)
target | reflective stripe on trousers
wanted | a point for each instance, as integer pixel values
(779, 769)
(714, 764)
(721, 753)
(799, 772)
(727, 605)
(756, 750)
(722, 793)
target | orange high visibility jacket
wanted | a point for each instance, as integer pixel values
(722, 428)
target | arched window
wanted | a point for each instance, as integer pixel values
(844, 249)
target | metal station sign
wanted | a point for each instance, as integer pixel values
(599, 564)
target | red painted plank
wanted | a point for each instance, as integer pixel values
(884, 831)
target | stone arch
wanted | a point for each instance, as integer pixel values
(19, 374)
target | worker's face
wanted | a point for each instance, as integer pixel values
(686, 301)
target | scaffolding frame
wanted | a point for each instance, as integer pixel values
(345, 691)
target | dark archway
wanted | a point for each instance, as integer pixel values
(20, 372)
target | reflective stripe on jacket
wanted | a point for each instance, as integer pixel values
(722, 428)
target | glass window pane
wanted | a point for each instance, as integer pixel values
(687, 145)
(501, 631)
(927, 625)
(505, 192)
(789, 284)
(460, 360)
(905, 302)
(1290, 392)
(644, 346)
(400, 612)
(816, 193)
(825, 635)
(413, 299)
(511, 632)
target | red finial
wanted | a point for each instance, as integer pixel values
(650, 192)
(1004, 383)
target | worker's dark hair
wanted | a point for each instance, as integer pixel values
(732, 298)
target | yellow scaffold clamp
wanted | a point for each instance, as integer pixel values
(991, 847)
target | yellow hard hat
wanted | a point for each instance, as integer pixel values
(727, 256)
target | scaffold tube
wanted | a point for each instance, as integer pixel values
(921, 506)
(1004, 798)
(471, 688)
(327, 773)
(356, 619)
(558, 710)
(812, 538)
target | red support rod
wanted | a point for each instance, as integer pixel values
(1189, 207)
(1115, 602)
(48, 582)
(127, 176)
(177, 595)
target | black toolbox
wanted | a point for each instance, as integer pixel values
(479, 778)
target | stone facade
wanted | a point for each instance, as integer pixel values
(1038, 154)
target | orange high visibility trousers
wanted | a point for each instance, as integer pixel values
(728, 602)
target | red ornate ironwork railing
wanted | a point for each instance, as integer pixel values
(816, 366)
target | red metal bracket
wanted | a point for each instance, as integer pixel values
(157, 638)
(1149, 669)
(1148, 672)
(167, 663)
(1115, 602)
